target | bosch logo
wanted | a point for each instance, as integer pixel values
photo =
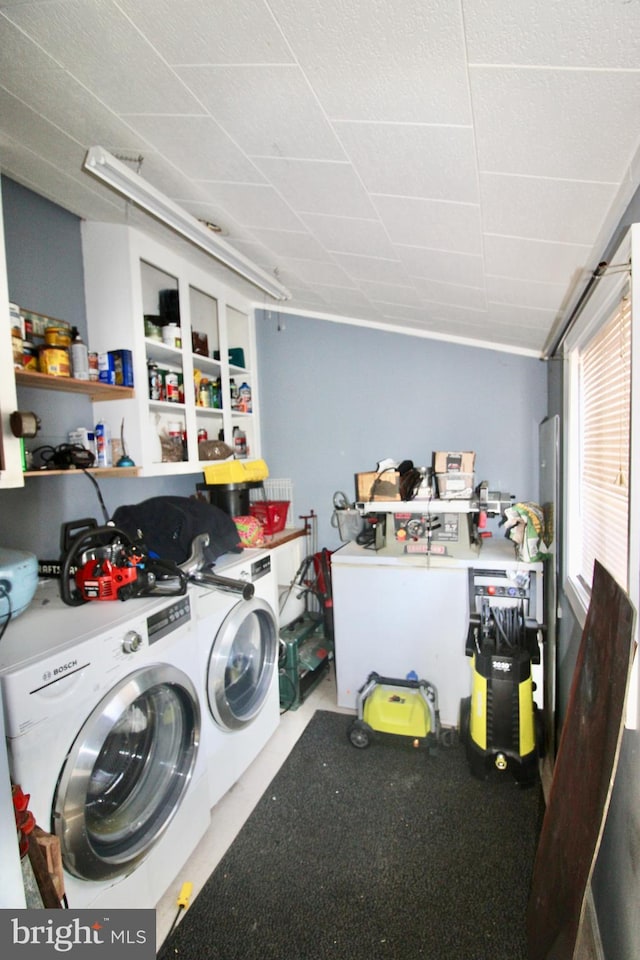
(503, 665)
(65, 667)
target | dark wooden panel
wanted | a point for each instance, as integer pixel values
(584, 772)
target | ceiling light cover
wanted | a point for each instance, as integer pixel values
(115, 174)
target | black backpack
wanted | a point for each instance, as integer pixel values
(166, 527)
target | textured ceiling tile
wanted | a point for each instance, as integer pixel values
(449, 267)
(556, 96)
(533, 259)
(520, 318)
(406, 314)
(210, 31)
(350, 299)
(349, 235)
(269, 111)
(76, 194)
(568, 211)
(32, 76)
(431, 223)
(113, 61)
(292, 243)
(588, 33)
(390, 293)
(254, 205)
(197, 146)
(436, 292)
(413, 160)
(317, 272)
(402, 60)
(372, 268)
(39, 136)
(555, 123)
(530, 293)
(316, 187)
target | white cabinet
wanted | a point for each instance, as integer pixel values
(10, 454)
(393, 619)
(129, 277)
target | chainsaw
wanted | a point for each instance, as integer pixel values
(103, 563)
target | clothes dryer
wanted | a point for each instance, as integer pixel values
(238, 644)
(103, 723)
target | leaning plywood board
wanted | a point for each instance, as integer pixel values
(584, 773)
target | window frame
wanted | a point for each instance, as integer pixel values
(597, 312)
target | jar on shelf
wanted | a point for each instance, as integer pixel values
(54, 361)
(171, 335)
(155, 381)
(57, 337)
(204, 393)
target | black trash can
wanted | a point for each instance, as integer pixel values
(233, 498)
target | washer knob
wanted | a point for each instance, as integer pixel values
(132, 642)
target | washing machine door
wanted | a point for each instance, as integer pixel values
(242, 662)
(126, 773)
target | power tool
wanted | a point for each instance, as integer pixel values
(103, 563)
(500, 724)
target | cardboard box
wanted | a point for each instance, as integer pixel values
(122, 361)
(446, 461)
(455, 486)
(378, 486)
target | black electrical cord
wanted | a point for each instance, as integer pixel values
(294, 692)
(4, 594)
(105, 512)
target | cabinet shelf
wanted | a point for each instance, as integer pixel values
(90, 388)
(130, 276)
(95, 471)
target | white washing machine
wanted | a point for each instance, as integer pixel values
(238, 643)
(103, 723)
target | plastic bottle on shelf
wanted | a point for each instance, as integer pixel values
(104, 457)
(216, 394)
(244, 398)
(79, 356)
(204, 393)
(239, 443)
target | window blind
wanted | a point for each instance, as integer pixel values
(604, 482)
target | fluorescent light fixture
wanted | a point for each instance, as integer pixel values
(115, 174)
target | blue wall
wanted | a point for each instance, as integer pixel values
(335, 399)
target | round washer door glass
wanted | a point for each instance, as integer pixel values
(242, 663)
(126, 773)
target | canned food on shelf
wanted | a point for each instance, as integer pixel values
(57, 337)
(94, 366)
(171, 387)
(54, 361)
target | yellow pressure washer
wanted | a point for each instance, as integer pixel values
(500, 724)
(403, 707)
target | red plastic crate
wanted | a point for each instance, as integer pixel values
(272, 514)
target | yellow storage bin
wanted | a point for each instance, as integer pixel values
(236, 471)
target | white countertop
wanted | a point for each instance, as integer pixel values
(493, 552)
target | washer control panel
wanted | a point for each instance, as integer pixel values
(168, 619)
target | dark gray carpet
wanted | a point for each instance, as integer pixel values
(378, 854)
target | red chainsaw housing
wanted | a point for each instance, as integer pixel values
(103, 580)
